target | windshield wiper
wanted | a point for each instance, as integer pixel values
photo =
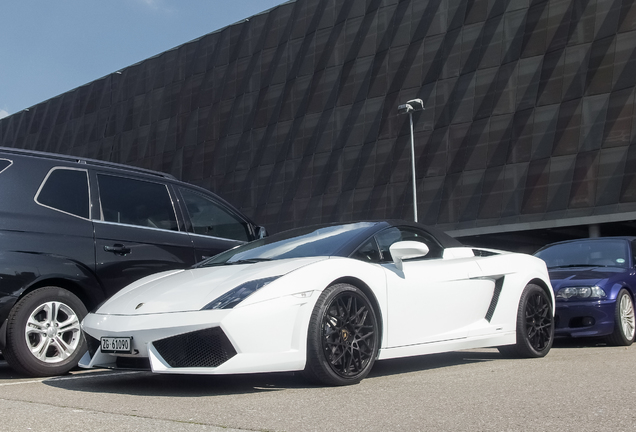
(576, 265)
(243, 261)
(248, 261)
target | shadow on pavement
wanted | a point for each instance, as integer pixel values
(592, 342)
(144, 383)
(432, 361)
(148, 384)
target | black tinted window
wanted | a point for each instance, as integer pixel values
(368, 252)
(209, 218)
(66, 190)
(601, 252)
(136, 202)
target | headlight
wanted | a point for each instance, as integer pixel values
(587, 292)
(238, 294)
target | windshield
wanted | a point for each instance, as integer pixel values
(586, 253)
(298, 243)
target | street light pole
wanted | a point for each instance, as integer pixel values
(413, 169)
(409, 107)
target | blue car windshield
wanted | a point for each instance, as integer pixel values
(298, 243)
(586, 253)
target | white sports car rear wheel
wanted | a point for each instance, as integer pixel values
(535, 325)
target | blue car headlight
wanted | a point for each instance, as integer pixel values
(238, 294)
(584, 292)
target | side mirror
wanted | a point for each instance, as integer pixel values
(407, 249)
(261, 232)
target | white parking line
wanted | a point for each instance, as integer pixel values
(74, 377)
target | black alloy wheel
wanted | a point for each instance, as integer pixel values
(535, 325)
(539, 325)
(343, 337)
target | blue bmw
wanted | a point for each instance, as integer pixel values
(594, 281)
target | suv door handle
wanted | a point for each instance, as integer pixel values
(117, 249)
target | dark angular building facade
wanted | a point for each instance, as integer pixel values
(291, 115)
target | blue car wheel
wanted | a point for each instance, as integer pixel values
(624, 322)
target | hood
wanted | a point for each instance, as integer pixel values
(582, 276)
(190, 290)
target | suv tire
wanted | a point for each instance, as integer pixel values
(44, 337)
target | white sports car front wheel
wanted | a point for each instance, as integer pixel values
(343, 337)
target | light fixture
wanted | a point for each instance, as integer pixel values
(408, 108)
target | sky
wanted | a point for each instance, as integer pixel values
(48, 47)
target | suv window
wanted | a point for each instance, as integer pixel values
(66, 190)
(136, 202)
(209, 218)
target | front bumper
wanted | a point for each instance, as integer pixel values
(264, 337)
(584, 318)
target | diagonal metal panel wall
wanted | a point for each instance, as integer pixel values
(291, 115)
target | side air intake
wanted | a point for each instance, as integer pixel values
(495, 298)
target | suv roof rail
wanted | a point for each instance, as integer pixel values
(82, 160)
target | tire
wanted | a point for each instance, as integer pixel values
(343, 337)
(535, 325)
(34, 348)
(623, 334)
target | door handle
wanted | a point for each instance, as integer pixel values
(118, 249)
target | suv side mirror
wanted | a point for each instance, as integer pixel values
(261, 232)
(407, 249)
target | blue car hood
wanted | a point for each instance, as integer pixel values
(581, 276)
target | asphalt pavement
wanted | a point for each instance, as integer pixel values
(580, 386)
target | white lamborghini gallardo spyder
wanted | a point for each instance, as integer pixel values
(327, 300)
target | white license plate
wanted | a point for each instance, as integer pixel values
(116, 345)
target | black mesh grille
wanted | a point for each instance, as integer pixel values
(495, 298)
(139, 363)
(203, 348)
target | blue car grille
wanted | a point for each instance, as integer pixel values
(202, 348)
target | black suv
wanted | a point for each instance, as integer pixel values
(74, 231)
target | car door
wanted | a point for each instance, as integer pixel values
(213, 226)
(137, 232)
(431, 298)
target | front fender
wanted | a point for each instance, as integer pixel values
(316, 277)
